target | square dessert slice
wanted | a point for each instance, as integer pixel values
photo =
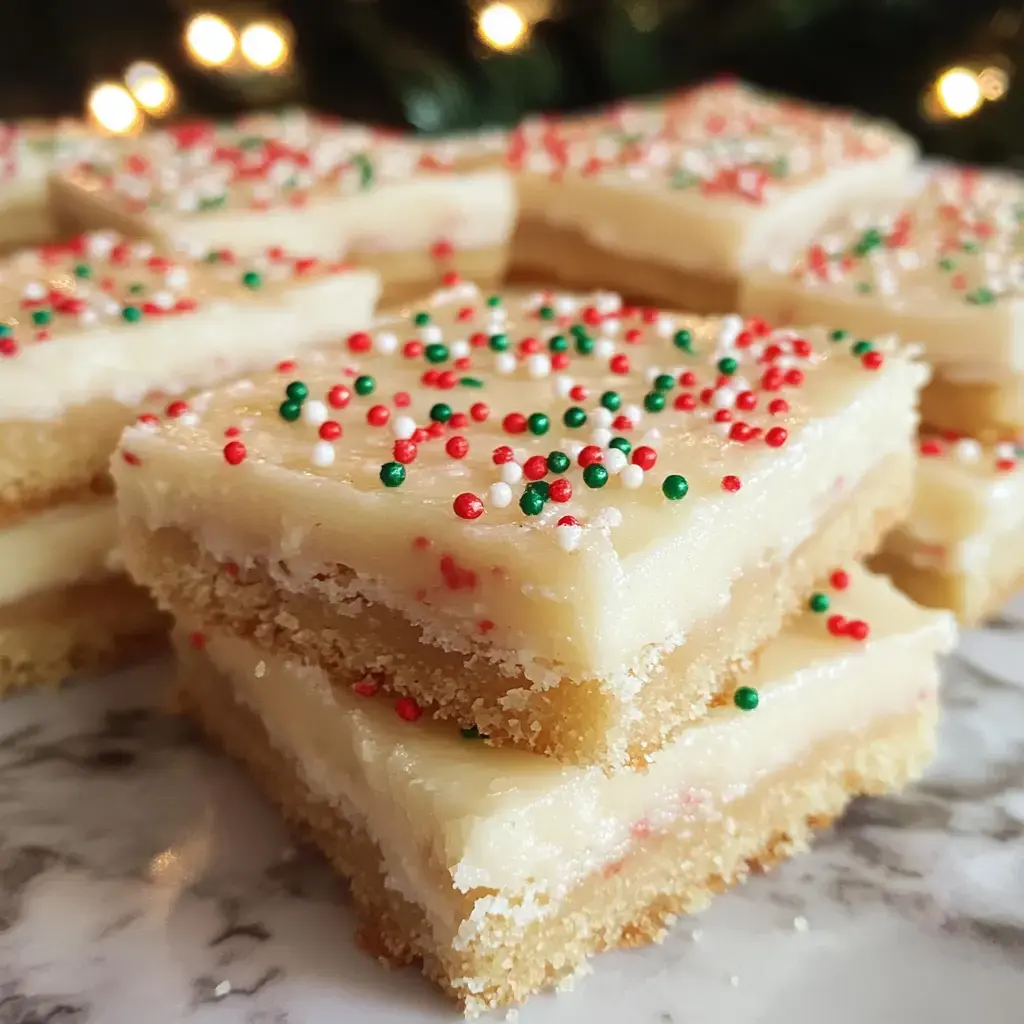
(327, 190)
(962, 547)
(944, 270)
(671, 202)
(514, 509)
(88, 330)
(503, 872)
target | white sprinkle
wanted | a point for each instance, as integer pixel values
(651, 373)
(615, 461)
(565, 304)
(222, 989)
(968, 450)
(323, 454)
(88, 316)
(632, 477)
(188, 419)
(602, 417)
(633, 413)
(176, 277)
(568, 537)
(459, 348)
(801, 924)
(734, 980)
(386, 342)
(600, 436)
(697, 934)
(563, 385)
(505, 363)
(403, 427)
(604, 348)
(430, 334)
(723, 398)
(500, 494)
(1005, 450)
(33, 290)
(511, 472)
(729, 330)
(538, 366)
(314, 412)
(665, 326)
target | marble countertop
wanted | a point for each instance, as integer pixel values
(143, 881)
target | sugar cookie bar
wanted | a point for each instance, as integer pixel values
(962, 546)
(670, 202)
(502, 872)
(560, 520)
(943, 270)
(89, 330)
(327, 190)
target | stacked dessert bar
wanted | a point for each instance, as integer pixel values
(91, 331)
(540, 613)
(943, 269)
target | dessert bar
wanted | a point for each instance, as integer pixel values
(962, 546)
(671, 202)
(89, 331)
(502, 872)
(943, 270)
(559, 519)
(323, 189)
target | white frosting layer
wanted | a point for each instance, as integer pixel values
(524, 826)
(57, 548)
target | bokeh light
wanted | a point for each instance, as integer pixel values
(151, 87)
(264, 46)
(501, 26)
(113, 108)
(993, 82)
(958, 92)
(210, 40)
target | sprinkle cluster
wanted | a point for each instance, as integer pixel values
(722, 139)
(1002, 457)
(102, 279)
(960, 238)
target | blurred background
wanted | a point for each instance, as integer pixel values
(948, 70)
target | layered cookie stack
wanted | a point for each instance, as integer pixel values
(672, 201)
(944, 270)
(89, 330)
(329, 190)
(476, 597)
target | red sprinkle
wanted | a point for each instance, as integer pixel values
(330, 430)
(234, 452)
(840, 579)
(457, 447)
(366, 687)
(502, 454)
(590, 454)
(836, 625)
(407, 709)
(731, 484)
(468, 506)
(858, 630)
(560, 490)
(339, 396)
(535, 467)
(378, 415)
(644, 457)
(776, 437)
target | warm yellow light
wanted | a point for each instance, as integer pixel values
(993, 83)
(150, 86)
(501, 26)
(264, 46)
(958, 92)
(113, 108)
(210, 40)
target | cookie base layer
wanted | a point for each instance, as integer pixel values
(972, 595)
(87, 628)
(577, 721)
(548, 253)
(984, 410)
(628, 904)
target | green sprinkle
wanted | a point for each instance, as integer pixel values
(493, 300)
(421, 319)
(132, 314)
(574, 416)
(136, 288)
(947, 264)
(622, 444)
(664, 382)
(861, 348)
(531, 503)
(538, 424)
(863, 287)
(674, 487)
(541, 487)
(6, 330)
(436, 353)
(497, 342)
(981, 297)
(839, 335)
(871, 239)
(392, 474)
(83, 270)
(584, 344)
(41, 317)
(211, 202)
(654, 401)
(471, 382)
(728, 366)
(558, 462)
(441, 412)
(683, 339)
(365, 166)
(546, 313)
(595, 475)
(472, 733)
(365, 385)
(212, 256)
(290, 411)
(559, 343)
(819, 603)
(252, 280)
(612, 401)
(746, 698)
(297, 391)
(970, 247)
